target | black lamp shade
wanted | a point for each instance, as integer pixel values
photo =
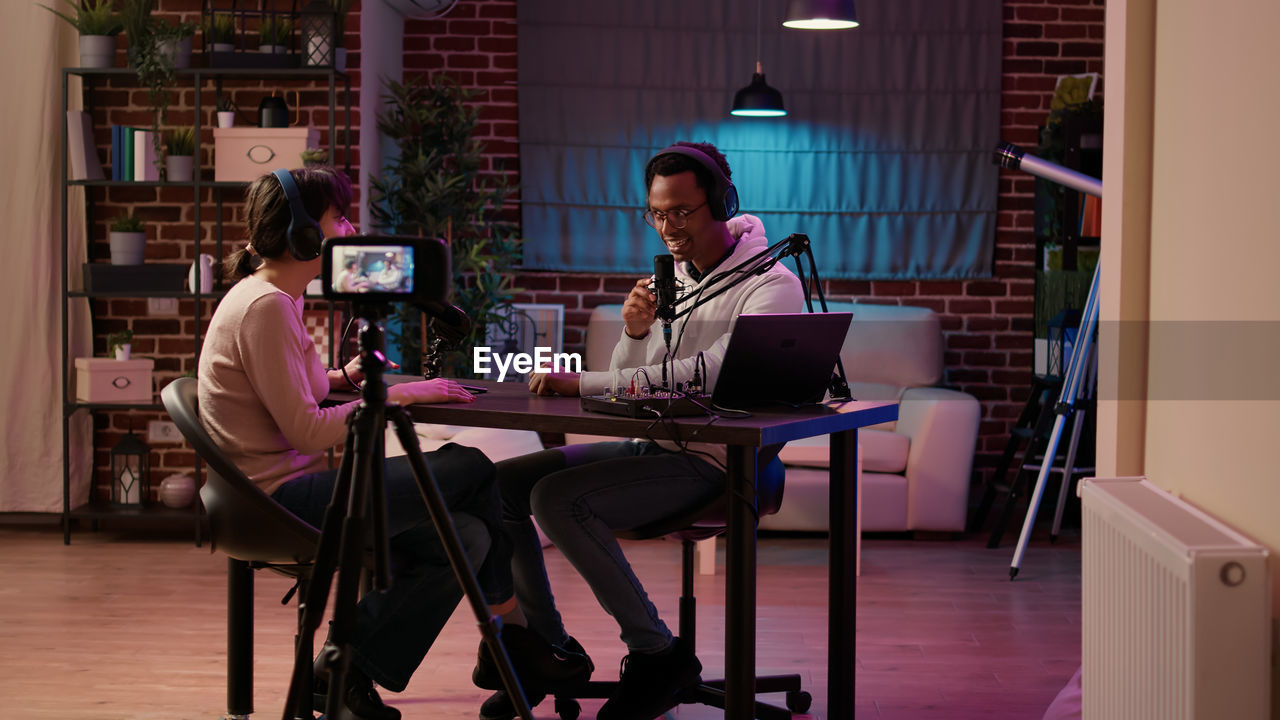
(820, 14)
(758, 100)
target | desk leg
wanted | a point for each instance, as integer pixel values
(740, 586)
(842, 602)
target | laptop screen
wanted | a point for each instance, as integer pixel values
(783, 358)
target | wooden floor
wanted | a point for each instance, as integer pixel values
(126, 627)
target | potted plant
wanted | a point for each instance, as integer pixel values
(315, 156)
(181, 146)
(98, 25)
(120, 343)
(128, 241)
(273, 35)
(220, 32)
(175, 41)
(438, 186)
(226, 112)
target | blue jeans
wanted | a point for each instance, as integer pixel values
(581, 494)
(395, 629)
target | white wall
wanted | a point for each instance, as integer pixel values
(1208, 427)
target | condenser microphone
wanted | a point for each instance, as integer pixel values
(664, 284)
(1011, 156)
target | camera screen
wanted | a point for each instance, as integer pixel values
(385, 269)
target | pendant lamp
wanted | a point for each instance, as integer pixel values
(758, 99)
(820, 14)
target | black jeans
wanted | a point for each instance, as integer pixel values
(395, 629)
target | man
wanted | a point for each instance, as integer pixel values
(581, 494)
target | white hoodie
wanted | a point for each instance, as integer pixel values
(707, 328)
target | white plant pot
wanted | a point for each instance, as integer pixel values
(226, 118)
(273, 49)
(222, 47)
(127, 247)
(122, 351)
(97, 51)
(178, 168)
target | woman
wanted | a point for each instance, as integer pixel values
(260, 387)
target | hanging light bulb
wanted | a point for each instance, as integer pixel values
(821, 14)
(758, 99)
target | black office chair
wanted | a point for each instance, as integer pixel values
(699, 524)
(255, 533)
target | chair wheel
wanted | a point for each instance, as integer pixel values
(568, 708)
(798, 701)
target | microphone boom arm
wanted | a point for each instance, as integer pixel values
(794, 245)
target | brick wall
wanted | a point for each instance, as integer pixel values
(988, 323)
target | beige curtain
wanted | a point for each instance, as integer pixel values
(35, 46)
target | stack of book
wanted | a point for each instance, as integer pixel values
(133, 154)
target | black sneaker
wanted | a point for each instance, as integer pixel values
(361, 698)
(652, 684)
(499, 706)
(540, 665)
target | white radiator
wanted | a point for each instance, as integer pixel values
(1176, 610)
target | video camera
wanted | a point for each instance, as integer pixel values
(373, 269)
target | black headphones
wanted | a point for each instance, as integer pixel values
(722, 196)
(303, 237)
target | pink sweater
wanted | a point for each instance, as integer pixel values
(260, 385)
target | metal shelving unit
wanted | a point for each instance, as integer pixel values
(194, 78)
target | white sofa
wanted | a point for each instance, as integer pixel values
(915, 472)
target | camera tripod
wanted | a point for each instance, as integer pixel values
(359, 493)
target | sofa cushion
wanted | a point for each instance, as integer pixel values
(882, 451)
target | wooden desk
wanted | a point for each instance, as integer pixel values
(512, 406)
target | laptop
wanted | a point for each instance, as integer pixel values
(783, 358)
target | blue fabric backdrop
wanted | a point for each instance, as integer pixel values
(884, 160)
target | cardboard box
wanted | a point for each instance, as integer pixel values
(241, 154)
(107, 380)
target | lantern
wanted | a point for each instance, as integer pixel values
(130, 471)
(318, 25)
(1063, 329)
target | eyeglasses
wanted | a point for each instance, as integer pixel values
(675, 218)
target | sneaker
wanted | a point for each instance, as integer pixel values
(499, 706)
(652, 684)
(361, 698)
(541, 666)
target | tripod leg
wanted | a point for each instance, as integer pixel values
(1033, 505)
(457, 557)
(1077, 427)
(368, 473)
(1066, 403)
(1068, 471)
(312, 599)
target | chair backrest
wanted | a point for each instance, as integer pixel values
(245, 522)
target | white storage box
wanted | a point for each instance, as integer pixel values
(107, 380)
(241, 154)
